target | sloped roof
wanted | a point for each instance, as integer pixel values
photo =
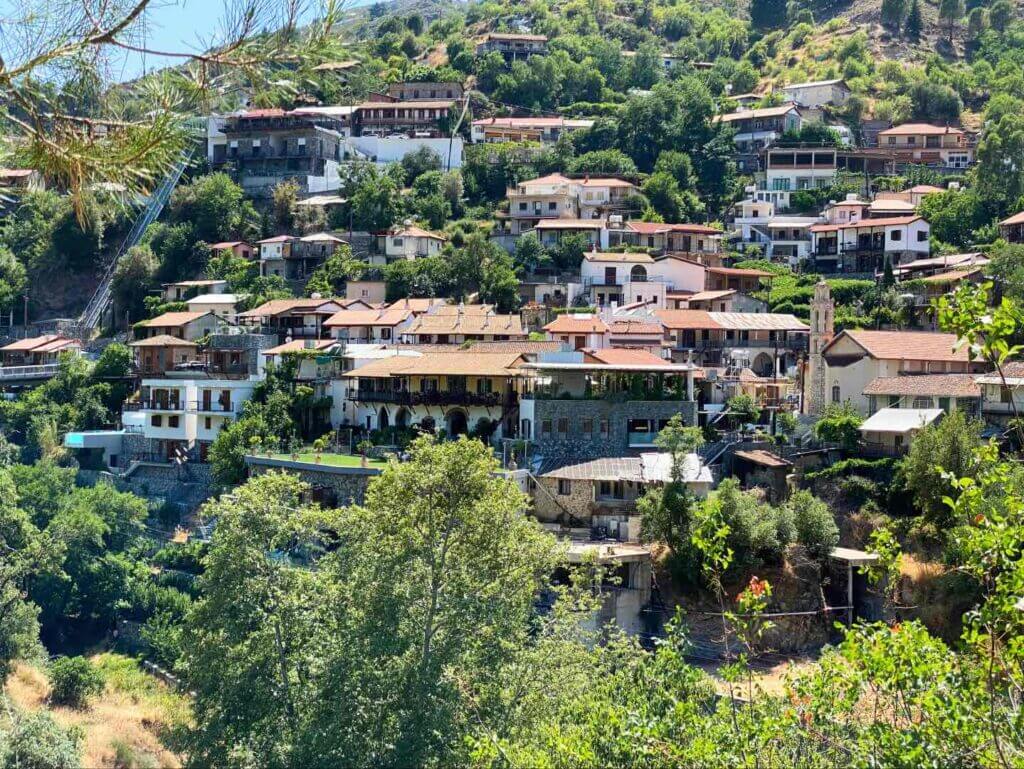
(814, 83)
(740, 272)
(532, 122)
(899, 420)
(656, 228)
(416, 232)
(455, 363)
(569, 224)
(174, 319)
(918, 129)
(281, 306)
(862, 224)
(417, 304)
(511, 325)
(1017, 218)
(763, 458)
(955, 385)
(905, 345)
(570, 323)
(626, 356)
(686, 319)
(636, 326)
(298, 345)
(748, 114)
(382, 317)
(45, 343)
(736, 321)
(649, 467)
(618, 258)
(162, 340)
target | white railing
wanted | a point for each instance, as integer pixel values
(42, 371)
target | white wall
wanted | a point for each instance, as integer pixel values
(393, 150)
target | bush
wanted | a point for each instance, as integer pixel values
(73, 680)
(815, 527)
(37, 741)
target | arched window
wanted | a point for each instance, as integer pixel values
(638, 273)
(835, 393)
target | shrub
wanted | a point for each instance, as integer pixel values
(73, 680)
(815, 527)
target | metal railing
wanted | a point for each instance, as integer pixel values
(93, 312)
(431, 398)
(150, 404)
(212, 407)
(39, 371)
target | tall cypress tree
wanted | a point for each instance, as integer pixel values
(912, 28)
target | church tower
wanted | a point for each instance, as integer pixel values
(823, 317)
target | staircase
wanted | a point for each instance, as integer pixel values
(91, 316)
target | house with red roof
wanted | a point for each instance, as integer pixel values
(1012, 228)
(932, 145)
(557, 196)
(545, 130)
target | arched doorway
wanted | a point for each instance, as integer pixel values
(402, 418)
(456, 423)
(382, 419)
(638, 274)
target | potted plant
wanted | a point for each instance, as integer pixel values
(293, 447)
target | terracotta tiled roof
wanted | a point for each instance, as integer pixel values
(463, 309)
(1015, 219)
(748, 114)
(227, 244)
(919, 129)
(25, 345)
(862, 224)
(605, 182)
(516, 36)
(655, 228)
(707, 296)
(738, 272)
(924, 189)
(524, 347)
(543, 180)
(162, 340)
(953, 276)
(569, 323)
(619, 258)
(955, 385)
(417, 304)
(905, 345)
(281, 306)
(570, 224)
(442, 364)
(278, 239)
(532, 122)
(626, 356)
(383, 317)
(416, 232)
(636, 327)
(686, 319)
(506, 325)
(174, 319)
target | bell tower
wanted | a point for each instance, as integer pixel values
(823, 321)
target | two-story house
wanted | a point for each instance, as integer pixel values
(612, 277)
(856, 357)
(818, 93)
(756, 129)
(694, 241)
(865, 245)
(771, 342)
(463, 326)
(559, 197)
(422, 119)
(407, 243)
(424, 91)
(456, 391)
(512, 46)
(922, 143)
(295, 318)
(368, 326)
(274, 254)
(38, 350)
(783, 238)
(183, 325)
(579, 331)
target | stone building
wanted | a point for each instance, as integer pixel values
(823, 311)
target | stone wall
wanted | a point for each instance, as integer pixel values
(347, 485)
(250, 343)
(576, 446)
(550, 507)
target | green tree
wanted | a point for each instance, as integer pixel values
(37, 741)
(893, 13)
(951, 11)
(13, 278)
(529, 254)
(285, 196)
(1000, 173)
(1000, 14)
(946, 447)
(216, 208)
(418, 162)
(376, 203)
(133, 277)
(610, 161)
(914, 25)
(73, 680)
(839, 423)
(330, 278)
(743, 409)
(954, 215)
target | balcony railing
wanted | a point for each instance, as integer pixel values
(432, 398)
(212, 407)
(797, 343)
(41, 371)
(151, 404)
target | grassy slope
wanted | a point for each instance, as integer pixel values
(129, 719)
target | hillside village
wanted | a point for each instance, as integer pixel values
(701, 324)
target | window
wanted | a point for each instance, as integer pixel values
(208, 423)
(894, 401)
(552, 205)
(564, 487)
(604, 428)
(385, 333)
(522, 206)
(172, 421)
(922, 236)
(588, 427)
(484, 386)
(922, 402)
(895, 235)
(545, 428)
(836, 397)
(398, 242)
(563, 425)
(944, 404)
(156, 420)
(891, 141)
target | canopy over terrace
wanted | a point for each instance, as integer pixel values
(638, 376)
